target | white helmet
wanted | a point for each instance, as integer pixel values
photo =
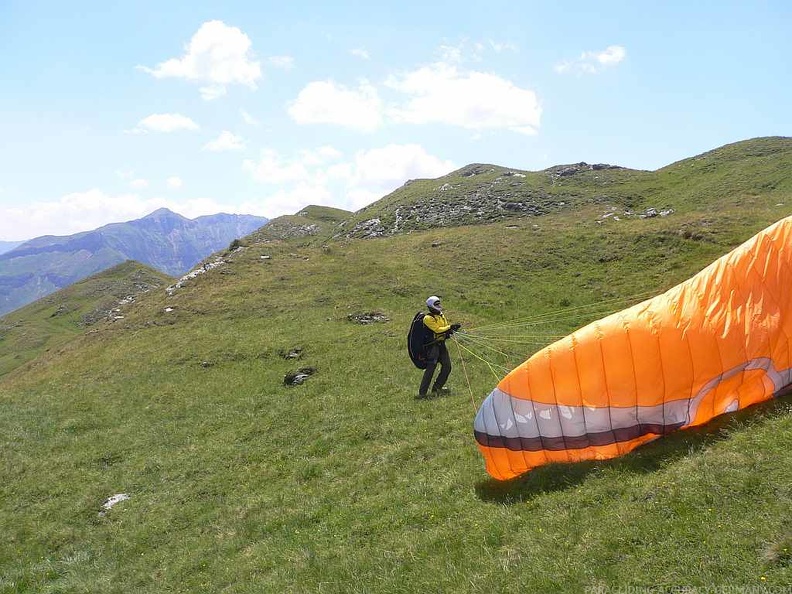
(434, 303)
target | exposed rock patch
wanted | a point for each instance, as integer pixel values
(453, 203)
(112, 311)
(294, 353)
(196, 272)
(568, 170)
(295, 378)
(649, 213)
(290, 229)
(482, 206)
(475, 169)
(368, 318)
(368, 229)
(112, 501)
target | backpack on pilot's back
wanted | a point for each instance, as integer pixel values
(418, 338)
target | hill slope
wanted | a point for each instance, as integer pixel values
(239, 483)
(313, 223)
(163, 240)
(55, 319)
(483, 193)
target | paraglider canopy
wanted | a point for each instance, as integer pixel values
(716, 343)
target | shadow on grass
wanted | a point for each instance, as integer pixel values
(647, 458)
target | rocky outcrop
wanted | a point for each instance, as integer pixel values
(451, 204)
(290, 230)
(298, 377)
(480, 193)
(371, 317)
(568, 170)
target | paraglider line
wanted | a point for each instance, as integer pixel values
(478, 341)
(467, 379)
(566, 313)
(497, 378)
(491, 363)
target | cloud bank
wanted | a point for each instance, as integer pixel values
(593, 62)
(217, 54)
(325, 176)
(440, 93)
(84, 211)
(164, 122)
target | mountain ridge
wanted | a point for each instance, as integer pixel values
(165, 240)
(479, 193)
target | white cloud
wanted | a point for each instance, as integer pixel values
(377, 172)
(320, 176)
(227, 141)
(326, 102)
(271, 168)
(290, 200)
(472, 51)
(282, 62)
(389, 167)
(502, 46)
(593, 62)
(452, 54)
(360, 53)
(249, 119)
(174, 182)
(139, 183)
(217, 54)
(165, 122)
(320, 156)
(212, 92)
(613, 54)
(79, 211)
(84, 211)
(440, 93)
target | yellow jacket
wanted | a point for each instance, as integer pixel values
(438, 324)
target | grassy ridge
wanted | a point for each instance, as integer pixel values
(719, 180)
(346, 483)
(56, 319)
(315, 223)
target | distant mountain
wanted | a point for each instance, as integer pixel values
(163, 240)
(7, 246)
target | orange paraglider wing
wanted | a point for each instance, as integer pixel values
(716, 343)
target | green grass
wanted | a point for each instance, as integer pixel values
(54, 320)
(346, 483)
(312, 224)
(730, 177)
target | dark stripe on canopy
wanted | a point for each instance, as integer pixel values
(536, 444)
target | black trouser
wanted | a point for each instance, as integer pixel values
(437, 353)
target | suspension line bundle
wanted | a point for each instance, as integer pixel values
(502, 346)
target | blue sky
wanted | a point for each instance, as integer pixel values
(109, 111)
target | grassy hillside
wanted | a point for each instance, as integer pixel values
(313, 223)
(717, 180)
(346, 483)
(56, 319)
